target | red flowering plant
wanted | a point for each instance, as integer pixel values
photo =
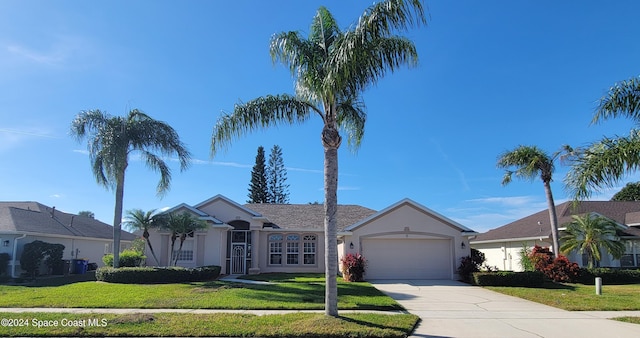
(558, 269)
(352, 267)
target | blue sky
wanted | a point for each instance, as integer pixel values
(492, 75)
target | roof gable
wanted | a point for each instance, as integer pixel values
(538, 225)
(33, 217)
(228, 201)
(413, 204)
(187, 208)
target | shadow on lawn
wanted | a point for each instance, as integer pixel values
(44, 281)
(310, 293)
(374, 325)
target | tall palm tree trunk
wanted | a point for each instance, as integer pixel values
(553, 218)
(331, 142)
(330, 229)
(117, 219)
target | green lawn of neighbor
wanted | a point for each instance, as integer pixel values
(579, 297)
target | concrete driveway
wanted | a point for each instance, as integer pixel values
(453, 309)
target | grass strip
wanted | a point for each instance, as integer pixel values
(579, 297)
(633, 320)
(199, 325)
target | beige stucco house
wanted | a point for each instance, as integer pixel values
(502, 246)
(405, 240)
(83, 237)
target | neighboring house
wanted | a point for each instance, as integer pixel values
(83, 237)
(502, 246)
(405, 240)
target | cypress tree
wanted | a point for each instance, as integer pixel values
(258, 185)
(278, 190)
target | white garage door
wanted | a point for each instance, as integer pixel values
(407, 258)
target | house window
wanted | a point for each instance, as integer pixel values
(292, 252)
(186, 254)
(309, 243)
(275, 249)
(298, 249)
(631, 258)
(5, 243)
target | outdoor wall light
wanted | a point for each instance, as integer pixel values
(351, 245)
(462, 245)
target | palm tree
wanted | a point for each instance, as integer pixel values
(529, 162)
(605, 163)
(589, 234)
(111, 139)
(181, 225)
(144, 221)
(331, 68)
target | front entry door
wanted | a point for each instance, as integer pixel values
(238, 258)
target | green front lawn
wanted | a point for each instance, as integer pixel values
(306, 293)
(292, 292)
(217, 325)
(579, 297)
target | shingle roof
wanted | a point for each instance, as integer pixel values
(34, 217)
(309, 216)
(537, 225)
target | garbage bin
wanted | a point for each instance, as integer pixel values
(79, 266)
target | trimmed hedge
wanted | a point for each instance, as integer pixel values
(609, 276)
(509, 278)
(155, 275)
(127, 258)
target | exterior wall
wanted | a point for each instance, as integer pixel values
(506, 255)
(263, 256)
(89, 249)
(209, 248)
(408, 222)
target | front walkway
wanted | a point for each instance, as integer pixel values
(453, 309)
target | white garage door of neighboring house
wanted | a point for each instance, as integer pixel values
(407, 258)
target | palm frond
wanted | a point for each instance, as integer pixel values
(357, 65)
(260, 113)
(385, 17)
(351, 116)
(603, 164)
(622, 99)
(324, 30)
(528, 161)
(155, 163)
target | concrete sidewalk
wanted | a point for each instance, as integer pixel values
(453, 309)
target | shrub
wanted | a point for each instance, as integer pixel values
(4, 262)
(128, 258)
(155, 275)
(352, 267)
(35, 252)
(470, 264)
(559, 269)
(525, 261)
(508, 278)
(609, 276)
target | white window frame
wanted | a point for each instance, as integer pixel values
(183, 252)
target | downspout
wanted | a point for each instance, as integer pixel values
(15, 252)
